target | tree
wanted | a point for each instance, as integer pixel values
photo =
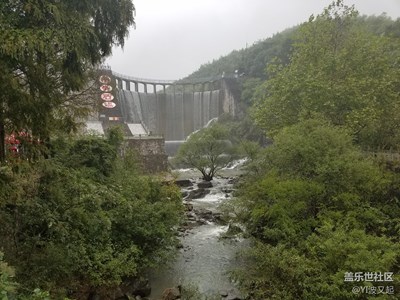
(341, 71)
(48, 49)
(207, 150)
(320, 209)
(83, 223)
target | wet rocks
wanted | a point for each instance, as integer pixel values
(233, 180)
(234, 229)
(196, 216)
(183, 182)
(199, 193)
(136, 287)
(224, 294)
(205, 185)
(171, 294)
(232, 295)
(188, 206)
(204, 213)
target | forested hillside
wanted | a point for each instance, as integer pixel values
(252, 60)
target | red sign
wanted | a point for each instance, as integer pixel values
(107, 97)
(109, 104)
(106, 88)
(105, 79)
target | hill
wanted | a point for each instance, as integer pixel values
(252, 61)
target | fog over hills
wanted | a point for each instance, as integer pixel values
(173, 38)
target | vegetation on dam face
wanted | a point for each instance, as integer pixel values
(318, 209)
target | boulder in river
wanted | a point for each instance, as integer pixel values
(188, 206)
(205, 184)
(205, 214)
(183, 182)
(199, 193)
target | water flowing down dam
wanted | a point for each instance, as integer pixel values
(172, 109)
(172, 115)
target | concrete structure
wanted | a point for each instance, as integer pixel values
(154, 111)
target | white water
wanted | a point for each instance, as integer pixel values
(236, 164)
(204, 259)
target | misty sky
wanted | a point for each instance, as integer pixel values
(174, 37)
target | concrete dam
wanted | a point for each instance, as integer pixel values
(161, 112)
(173, 109)
(172, 115)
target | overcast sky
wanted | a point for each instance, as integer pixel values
(174, 37)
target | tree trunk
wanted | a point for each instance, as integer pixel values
(207, 177)
(2, 142)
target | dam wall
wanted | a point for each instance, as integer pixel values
(172, 115)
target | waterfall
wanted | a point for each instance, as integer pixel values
(173, 115)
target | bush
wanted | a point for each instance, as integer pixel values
(319, 210)
(64, 230)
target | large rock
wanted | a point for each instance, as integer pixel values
(188, 206)
(205, 214)
(171, 294)
(205, 184)
(183, 182)
(199, 193)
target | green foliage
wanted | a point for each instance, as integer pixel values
(250, 149)
(115, 136)
(191, 292)
(96, 154)
(7, 283)
(340, 71)
(315, 206)
(249, 88)
(207, 150)
(250, 61)
(62, 229)
(47, 54)
(319, 209)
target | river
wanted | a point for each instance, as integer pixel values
(204, 258)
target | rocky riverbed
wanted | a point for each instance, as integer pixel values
(204, 258)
